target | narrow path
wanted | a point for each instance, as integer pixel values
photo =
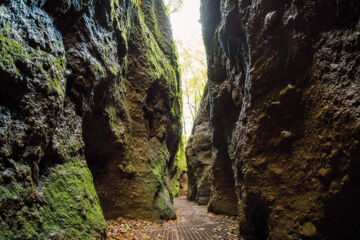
(195, 223)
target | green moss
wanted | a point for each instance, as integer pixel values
(19, 222)
(164, 205)
(14, 52)
(176, 106)
(113, 69)
(59, 66)
(152, 22)
(113, 116)
(162, 66)
(142, 14)
(116, 124)
(111, 64)
(123, 35)
(181, 167)
(145, 29)
(23, 227)
(29, 229)
(14, 190)
(10, 192)
(5, 232)
(72, 210)
(114, 5)
(55, 72)
(2, 11)
(174, 187)
(10, 52)
(159, 65)
(180, 159)
(157, 166)
(98, 69)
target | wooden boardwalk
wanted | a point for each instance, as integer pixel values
(195, 223)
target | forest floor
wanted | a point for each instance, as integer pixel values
(193, 223)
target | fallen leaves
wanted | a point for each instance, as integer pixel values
(128, 229)
(191, 219)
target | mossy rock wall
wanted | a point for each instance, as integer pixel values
(89, 93)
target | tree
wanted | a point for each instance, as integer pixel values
(173, 6)
(194, 76)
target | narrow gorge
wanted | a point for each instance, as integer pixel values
(92, 125)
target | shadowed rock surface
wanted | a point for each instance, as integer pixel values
(86, 85)
(284, 113)
(198, 155)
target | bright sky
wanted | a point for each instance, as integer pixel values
(187, 30)
(185, 22)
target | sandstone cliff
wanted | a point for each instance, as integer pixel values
(89, 90)
(285, 116)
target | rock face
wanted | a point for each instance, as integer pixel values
(89, 89)
(198, 154)
(284, 113)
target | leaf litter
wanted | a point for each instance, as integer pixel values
(219, 226)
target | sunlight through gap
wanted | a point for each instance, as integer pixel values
(186, 28)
